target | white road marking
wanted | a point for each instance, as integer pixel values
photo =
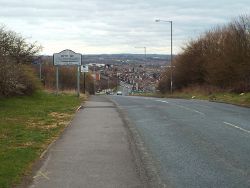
(44, 175)
(144, 120)
(237, 127)
(190, 109)
(162, 101)
(45, 151)
(184, 107)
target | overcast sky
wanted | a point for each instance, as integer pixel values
(116, 26)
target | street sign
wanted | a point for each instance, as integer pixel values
(67, 57)
(70, 58)
(84, 68)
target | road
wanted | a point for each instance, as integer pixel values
(193, 143)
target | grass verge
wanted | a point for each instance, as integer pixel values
(27, 125)
(242, 99)
(225, 97)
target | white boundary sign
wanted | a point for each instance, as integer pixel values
(67, 57)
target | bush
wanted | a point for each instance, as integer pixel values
(67, 78)
(219, 58)
(29, 81)
(16, 77)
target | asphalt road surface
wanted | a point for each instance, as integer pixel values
(194, 143)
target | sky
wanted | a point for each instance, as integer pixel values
(116, 26)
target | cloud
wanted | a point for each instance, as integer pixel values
(97, 26)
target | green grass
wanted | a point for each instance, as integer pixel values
(27, 125)
(147, 94)
(232, 98)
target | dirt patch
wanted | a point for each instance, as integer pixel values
(24, 145)
(3, 136)
(57, 119)
(34, 123)
(57, 115)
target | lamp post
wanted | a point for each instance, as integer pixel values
(171, 57)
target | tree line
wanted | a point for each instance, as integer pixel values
(219, 58)
(18, 74)
(67, 77)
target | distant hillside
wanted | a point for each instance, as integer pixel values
(126, 58)
(157, 59)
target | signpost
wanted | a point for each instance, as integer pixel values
(84, 69)
(39, 61)
(68, 58)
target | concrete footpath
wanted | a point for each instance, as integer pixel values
(93, 152)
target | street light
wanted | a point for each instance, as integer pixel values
(171, 58)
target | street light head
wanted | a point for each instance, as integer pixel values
(158, 20)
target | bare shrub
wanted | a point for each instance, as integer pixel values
(16, 78)
(219, 58)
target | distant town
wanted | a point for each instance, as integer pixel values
(131, 73)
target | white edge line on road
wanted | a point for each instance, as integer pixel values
(162, 101)
(237, 127)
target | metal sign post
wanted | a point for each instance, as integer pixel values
(78, 81)
(36, 61)
(40, 70)
(84, 83)
(84, 69)
(57, 77)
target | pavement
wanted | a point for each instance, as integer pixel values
(93, 152)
